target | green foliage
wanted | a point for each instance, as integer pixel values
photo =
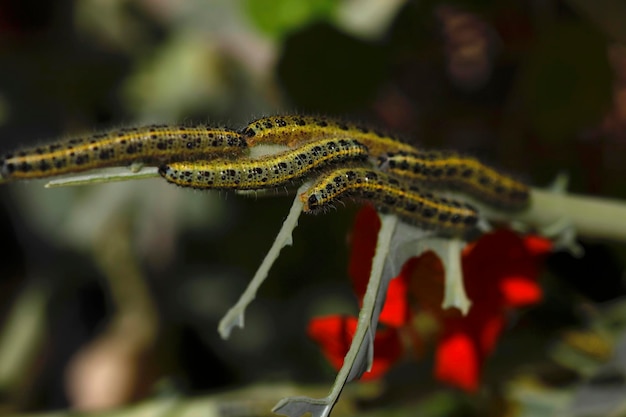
(278, 17)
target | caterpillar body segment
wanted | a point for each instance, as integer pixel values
(150, 144)
(265, 172)
(409, 202)
(449, 170)
(295, 130)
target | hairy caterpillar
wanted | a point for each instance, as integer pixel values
(293, 130)
(389, 194)
(266, 172)
(149, 144)
(453, 171)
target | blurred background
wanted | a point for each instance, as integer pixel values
(122, 285)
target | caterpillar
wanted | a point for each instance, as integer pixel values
(149, 144)
(293, 130)
(457, 172)
(389, 194)
(265, 172)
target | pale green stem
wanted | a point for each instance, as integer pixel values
(235, 316)
(105, 175)
(360, 355)
(590, 216)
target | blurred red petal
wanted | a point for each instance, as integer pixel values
(519, 291)
(334, 335)
(457, 362)
(498, 258)
(425, 275)
(493, 250)
(500, 270)
(396, 311)
(537, 245)
(489, 332)
(364, 238)
(388, 350)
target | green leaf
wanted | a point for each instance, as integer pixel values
(278, 17)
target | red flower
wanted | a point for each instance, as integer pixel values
(335, 334)
(500, 272)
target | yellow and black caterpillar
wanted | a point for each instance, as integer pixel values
(342, 160)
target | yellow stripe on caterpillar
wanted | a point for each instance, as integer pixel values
(150, 144)
(457, 172)
(265, 172)
(295, 130)
(389, 194)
